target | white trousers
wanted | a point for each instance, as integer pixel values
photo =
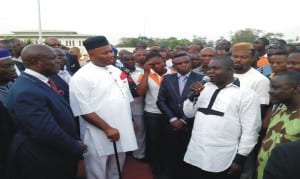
(104, 167)
(140, 136)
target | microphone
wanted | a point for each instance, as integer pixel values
(191, 95)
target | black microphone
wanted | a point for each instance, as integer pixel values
(191, 95)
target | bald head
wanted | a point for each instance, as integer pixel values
(207, 54)
(194, 48)
(53, 42)
(75, 51)
(40, 58)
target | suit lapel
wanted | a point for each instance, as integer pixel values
(188, 83)
(44, 87)
(175, 83)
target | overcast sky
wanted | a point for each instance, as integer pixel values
(153, 18)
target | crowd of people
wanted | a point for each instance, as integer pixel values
(226, 112)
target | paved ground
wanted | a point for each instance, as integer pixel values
(133, 169)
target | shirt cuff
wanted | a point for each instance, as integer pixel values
(184, 122)
(173, 119)
(239, 159)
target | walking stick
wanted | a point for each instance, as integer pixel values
(117, 159)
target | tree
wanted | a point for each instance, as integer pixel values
(127, 42)
(246, 35)
(272, 37)
(199, 40)
(28, 42)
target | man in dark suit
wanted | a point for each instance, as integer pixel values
(284, 162)
(172, 93)
(7, 76)
(46, 144)
(61, 78)
(72, 63)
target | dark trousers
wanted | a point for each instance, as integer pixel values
(176, 142)
(193, 172)
(156, 142)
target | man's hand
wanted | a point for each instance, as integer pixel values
(234, 168)
(197, 87)
(112, 133)
(135, 127)
(177, 125)
(85, 147)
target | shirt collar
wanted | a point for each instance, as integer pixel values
(37, 75)
(186, 75)
(235, 83)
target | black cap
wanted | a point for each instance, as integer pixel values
(95, 42)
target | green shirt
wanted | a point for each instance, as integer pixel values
(284, 127)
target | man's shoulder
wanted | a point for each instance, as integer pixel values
(256, 74)
(196, 75)
(252, 75)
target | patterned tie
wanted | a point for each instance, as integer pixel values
(181, 83)
(55, 88)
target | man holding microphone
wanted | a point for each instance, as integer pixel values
(226, 126)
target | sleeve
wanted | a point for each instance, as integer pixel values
(162, 99)
(250, 119)
(190, 108)
(35, 117)
(80, 91)
(262, 89)
(275, 167)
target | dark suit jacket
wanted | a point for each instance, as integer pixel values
(169, 100)
(284, 162)
(72, 63)
(20, 65)
(6, 134)
(45, 144)
(62, 85)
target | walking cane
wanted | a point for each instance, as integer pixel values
(117, 159)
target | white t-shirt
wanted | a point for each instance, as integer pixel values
(101, 90)
(154, 82)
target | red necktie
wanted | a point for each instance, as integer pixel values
(54, 87)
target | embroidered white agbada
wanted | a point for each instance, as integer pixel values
(105, 91)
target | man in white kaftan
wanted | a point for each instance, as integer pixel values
(100, 95)
(226, 126)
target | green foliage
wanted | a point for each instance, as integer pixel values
(272, 37)
(171, 42)
(244, 35)
(27, 42)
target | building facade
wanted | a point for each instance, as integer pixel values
(67, 38)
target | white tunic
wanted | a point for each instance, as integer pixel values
(101, 90)
(217, 138)
(257, 82)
